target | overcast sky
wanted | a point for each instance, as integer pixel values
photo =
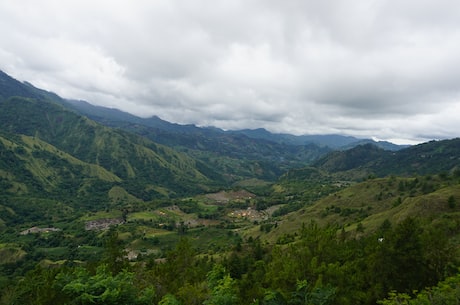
(383, 69)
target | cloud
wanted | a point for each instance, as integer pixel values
(383, 69)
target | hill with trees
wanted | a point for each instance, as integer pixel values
(426, 158)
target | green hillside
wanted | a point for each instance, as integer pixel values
(368, 160)
(358, 245)
(362, 208)
(140, 164)
(235, 155)
(40, 166)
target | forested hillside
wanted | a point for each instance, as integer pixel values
(126, 156)
(421, 159)
(234, 154)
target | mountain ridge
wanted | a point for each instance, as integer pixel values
(126, 155)
(421, 159)
(110, 115)
(334, 141)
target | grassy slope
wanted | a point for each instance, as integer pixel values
(126, 156)
(372, 202)
(41, 183)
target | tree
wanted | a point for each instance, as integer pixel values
(399, 259)
(114, 255)
(223, 288)
(273, 298)
(169, 299)
(446, 292)
(193, 294)
(451, 202)
(101, 288)
(36, 288)
(180, 266)
(305, 295)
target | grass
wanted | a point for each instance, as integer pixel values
(10, 253)
(101, 215)
(212, 239)
(89, 251)
(206, 207)
(371, 203)
(47, 263)
(253, 182)
(119, 194)
(44, 171)
(145, 215)
(149, 232)
(54, 252)
(203, 239)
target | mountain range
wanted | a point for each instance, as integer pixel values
(115, 117)
(84, 186)
(85, 146)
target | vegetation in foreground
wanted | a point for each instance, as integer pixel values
(196, 252)
(318, 267)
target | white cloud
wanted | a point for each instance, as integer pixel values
(384, 69)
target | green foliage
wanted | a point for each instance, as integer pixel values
(169, 299)
(73, 146)
(223, 288)
(114, 255)
(319, 267)
(446, 292)
(399, 259)
(101, 288)
(304, 295)
(451, 202)
(288, 208)
(427, 158)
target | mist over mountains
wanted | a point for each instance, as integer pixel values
(83, 185)
(150, 157)
(11, 87)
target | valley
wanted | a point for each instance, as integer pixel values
(101, 207)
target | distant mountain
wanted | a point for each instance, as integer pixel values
(231, 156)
(381, 144)
(10, 87)
(117, 118)
(423, 159)
(335, 142)
(233, 153)
(426, 158)
(357, 157)
(332, 141)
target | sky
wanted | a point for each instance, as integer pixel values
(387, 70)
